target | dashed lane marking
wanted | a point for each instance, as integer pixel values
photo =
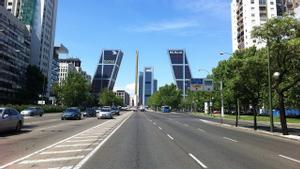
(289, 158)
(170, 136)
(230, 139)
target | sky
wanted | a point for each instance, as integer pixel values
(201, 27)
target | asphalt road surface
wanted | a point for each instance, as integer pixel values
(145, 140)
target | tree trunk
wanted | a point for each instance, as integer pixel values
(255, 117)
(282, 114)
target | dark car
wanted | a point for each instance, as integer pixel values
(10, 119)
(90, 112)
(115, 111)
(33, 111)
(71, 114)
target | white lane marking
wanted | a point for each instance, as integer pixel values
(78, 141)
(86, 137)
(170, 136)
(154, 123)
(43, 149)
(201, 129)
(75, 145)
(289, 158)
(83, 161)
(159, 128)
(198, 161)
(68, 167)
(230, 139)
(206, 121)
(51, 160)
(66, 151)
(186, 125)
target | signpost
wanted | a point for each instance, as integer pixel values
(201, 84)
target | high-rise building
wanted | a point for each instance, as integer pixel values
(291, 6)
(141, 88)
(14, 56)
(155, 85)
(40, 18)
(245, 15)
(64, 70)
(148, 84)
(181, 70)
(125, 97)
(74, 61)
(107, 70)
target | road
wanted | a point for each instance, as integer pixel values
(149, 140)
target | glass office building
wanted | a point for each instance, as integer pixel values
(148, 84)
(107, 70)
(181, 70)
(141, 81)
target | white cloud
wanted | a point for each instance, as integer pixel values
(164, 26)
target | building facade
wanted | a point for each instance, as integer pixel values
(64, 70)
(107, 70)
(141, 81)
(125, 97)
(39, 16)
(247, 14)
(74, 61)
(181, 70)
(14, 56)
(148, 84)
(155, 85)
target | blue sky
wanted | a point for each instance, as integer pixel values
(201, 27)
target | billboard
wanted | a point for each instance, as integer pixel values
(201, 84)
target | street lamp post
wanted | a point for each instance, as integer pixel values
(270, 91)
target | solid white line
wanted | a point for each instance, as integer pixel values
(37, 152)
(83, 161)
(66, 151)
(289, 158)
(230, 139)
(78, 141)
(68, 167)
(51, 160)
(160, 128)
(170, 137)
(198, 161)
(75, 145)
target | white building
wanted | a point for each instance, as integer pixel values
(245, 15)
(64, 70)
(40, 18)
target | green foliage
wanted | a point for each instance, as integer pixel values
(46, 108)
(166, 95)
(108, 98)
(73, 91)
(35, 85)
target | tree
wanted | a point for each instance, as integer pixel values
(282, 36)
(108, 98)
(74, 90)
(166, 95)
(35, 85)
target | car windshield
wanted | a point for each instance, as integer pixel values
(71, 110)
(31, 108)
(105, 110)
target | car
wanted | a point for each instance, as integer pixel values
(72, 113)
(10, 119)
(33, 111)
(115, 111)
(89, 112)
(165, 109)
(105, 113)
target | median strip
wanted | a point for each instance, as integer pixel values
(51, 160)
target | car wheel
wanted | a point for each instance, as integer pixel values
(18, 126)
(41, 114)
(62, 118)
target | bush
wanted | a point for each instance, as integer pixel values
(46, 108)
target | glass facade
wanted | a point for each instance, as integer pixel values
(107, 70)
(141, 80)
(27, 11)
(181, 70)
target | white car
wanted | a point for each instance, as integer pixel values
(104, 113)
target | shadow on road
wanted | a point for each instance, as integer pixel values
(13, 133)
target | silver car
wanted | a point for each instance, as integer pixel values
(33, 111)
(104, 113)
(10, 119)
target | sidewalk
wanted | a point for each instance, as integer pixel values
(262, 127)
